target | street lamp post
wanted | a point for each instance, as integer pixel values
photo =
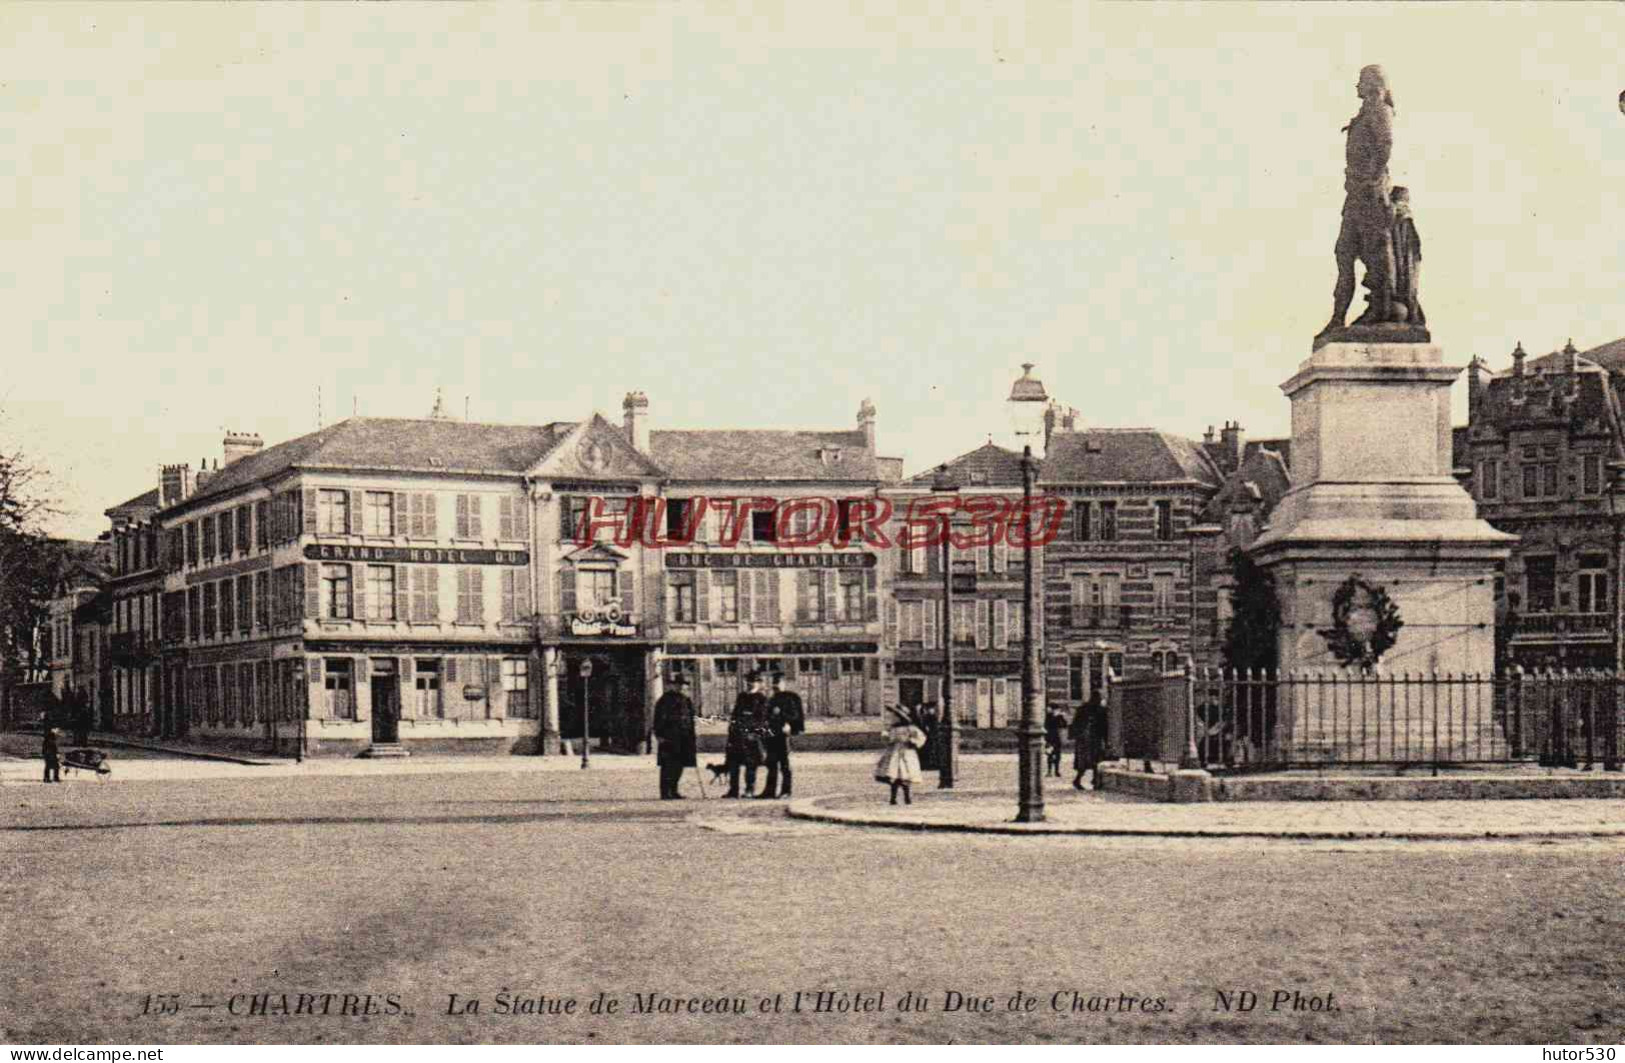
(586, 711)
(948, 762)
(301, 706)
(1031, 768)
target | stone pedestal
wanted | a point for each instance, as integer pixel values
(1373, 496)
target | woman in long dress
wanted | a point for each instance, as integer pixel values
(899, 766)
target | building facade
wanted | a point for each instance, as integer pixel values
(1540, 439)
(440, 584)
(1119, 580)
(986, 624)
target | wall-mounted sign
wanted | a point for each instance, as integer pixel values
(769, 649)
(473, 693)
(807, 560)
(617, 628)
(416, 555)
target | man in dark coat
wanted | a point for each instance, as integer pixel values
(747, 731)
(1088, 734)
(674, 728)
(53, 766)
(925, 718)
(785, 717)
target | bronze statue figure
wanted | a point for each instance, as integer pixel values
(1366, 233)
(1407, 260)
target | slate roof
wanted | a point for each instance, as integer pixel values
(1125, 455)
(146, 500)
(762, 454)
(395, 443)
(1585, 399)
(988, 465)
(1262, 476)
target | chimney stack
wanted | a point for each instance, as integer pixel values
(635, 408)
(1209, 436)
(175, 483)
(240, 445)
(1475, 387)
(1518, 355)
(1234, 443)
(866, 421)
(1571, 360)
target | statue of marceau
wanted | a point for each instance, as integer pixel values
(1370, 218)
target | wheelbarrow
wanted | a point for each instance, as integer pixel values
(87, 760)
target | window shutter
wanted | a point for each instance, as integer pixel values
(702, 596)
(803, 592)
(771, 578)
(933, 560)
(983, 557)
(1001, 553)
(307, 582)
(1001, 702)
(891, 623)
(874, 668)
(566, 529)
(398, 515)
(462, 517)
(496, 698)
(981, 623)
(931, 607)
(871, 595)
(984, 699)
(521, 518)
(629, 592)
(431, 515)
(314, 695)
(308, 524)
(358, 592)
(742, 580)
(406, 688)
(451, 698)
(403, 597)
(831, 604)
(567, 589)
(509, 607)
(476, 507)
(504, 518)
(352, 514)
(1001, 624)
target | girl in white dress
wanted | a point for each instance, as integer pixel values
(899, 766)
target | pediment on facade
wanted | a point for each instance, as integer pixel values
(597, 552)
(595, 450)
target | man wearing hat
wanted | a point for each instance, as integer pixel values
(784, 718)
(674, 728)
(747, 729)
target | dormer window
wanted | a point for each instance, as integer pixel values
(829, 455)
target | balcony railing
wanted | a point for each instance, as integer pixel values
(1564, 624)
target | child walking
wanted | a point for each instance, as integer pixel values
(899, 766)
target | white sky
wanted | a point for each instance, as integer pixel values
(758, 218)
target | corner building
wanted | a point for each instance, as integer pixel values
(403, 584)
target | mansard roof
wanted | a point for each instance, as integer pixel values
(989, 464)
(395, 443)
(1126, 455)
(764, 454)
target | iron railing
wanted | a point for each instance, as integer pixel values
(1249, 721)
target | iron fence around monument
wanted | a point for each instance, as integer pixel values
(1256, 721)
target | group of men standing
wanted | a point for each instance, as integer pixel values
(759, 732)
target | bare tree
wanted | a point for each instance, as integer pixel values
(30, 564)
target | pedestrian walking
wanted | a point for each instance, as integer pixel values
(1054, 724)
(747, 730)
(674, 730)
(53, 766)
(925, 718)
(785, 717)
(1088, 734)
(899, 766)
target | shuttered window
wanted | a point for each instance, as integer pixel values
(470, 595)
(425, 594)
(423, 518)
(515, 595)
(469, 509)
(513, 518)
(335, 602)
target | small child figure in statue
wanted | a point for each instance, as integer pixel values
(1407, 306)
(899, 766)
